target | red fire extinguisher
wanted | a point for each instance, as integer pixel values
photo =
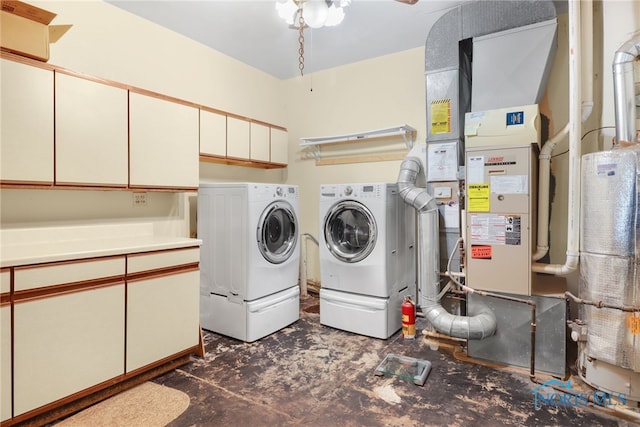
(408, 319)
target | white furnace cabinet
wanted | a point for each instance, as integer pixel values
(164, 143)
(500, 218)
(26, 152)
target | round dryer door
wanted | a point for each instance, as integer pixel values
(350, 231)
(277, 232)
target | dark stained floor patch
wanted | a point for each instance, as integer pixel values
(311, 375)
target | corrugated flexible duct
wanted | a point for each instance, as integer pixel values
(481, 324)
(442, 63)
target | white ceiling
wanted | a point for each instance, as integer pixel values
(252, 32)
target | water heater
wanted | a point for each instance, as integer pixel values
(501, 151)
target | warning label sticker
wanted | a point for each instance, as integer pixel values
(481, 252)
(512, 229)
(441, 116)
(495, 229)
(478, 198)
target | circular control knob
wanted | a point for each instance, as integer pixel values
(348, 190)
(279, 191)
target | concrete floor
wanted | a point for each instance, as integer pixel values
(311, 375)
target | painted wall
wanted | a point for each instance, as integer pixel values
(368, 95)
(108, 42)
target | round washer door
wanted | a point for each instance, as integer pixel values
(277, 232)
(350, 231)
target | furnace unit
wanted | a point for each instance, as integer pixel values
(501, 152)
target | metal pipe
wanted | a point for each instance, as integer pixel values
(602, 304)
(303, 261)
(543, 192)
(624, 91)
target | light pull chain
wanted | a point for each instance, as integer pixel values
(301, 24)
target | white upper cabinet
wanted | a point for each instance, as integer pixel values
(164, 148)
(91, 132)
(213, 133)
(259, 142)
(279, 146)
(238, 134)
(26, 152)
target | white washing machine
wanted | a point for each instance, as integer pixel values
(367, 257)
(249, 258)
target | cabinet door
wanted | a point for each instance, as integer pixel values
(162, 317)
(279, 146)
(163, 143)
(66, 343)
(213, 133)
(26, 152)
(5, 345)
(5, 362)
(238, 132)
(260, 142)
(91, 132)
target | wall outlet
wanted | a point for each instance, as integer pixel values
(139, 199)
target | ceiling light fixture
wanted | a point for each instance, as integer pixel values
(300, 14)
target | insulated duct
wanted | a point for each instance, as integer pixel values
(481, 324)
(624, 91)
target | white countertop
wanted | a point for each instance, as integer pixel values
(20, 247)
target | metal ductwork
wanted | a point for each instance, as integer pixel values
(481, 324)
(447, 72)
(624, 91)
(448, 61)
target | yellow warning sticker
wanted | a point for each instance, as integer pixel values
(478, 198)
(633, 323)
(441, 116)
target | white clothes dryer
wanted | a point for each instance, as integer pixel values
(367, 257)
(249, 258)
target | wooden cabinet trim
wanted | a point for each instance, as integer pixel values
(162, 272)
(28, 295)
(71, 261)
(58, 69)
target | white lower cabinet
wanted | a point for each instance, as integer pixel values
(82, 325)
(162, 317)
(66, 343)
(5, 362)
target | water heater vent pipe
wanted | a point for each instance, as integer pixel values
(624, 91)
